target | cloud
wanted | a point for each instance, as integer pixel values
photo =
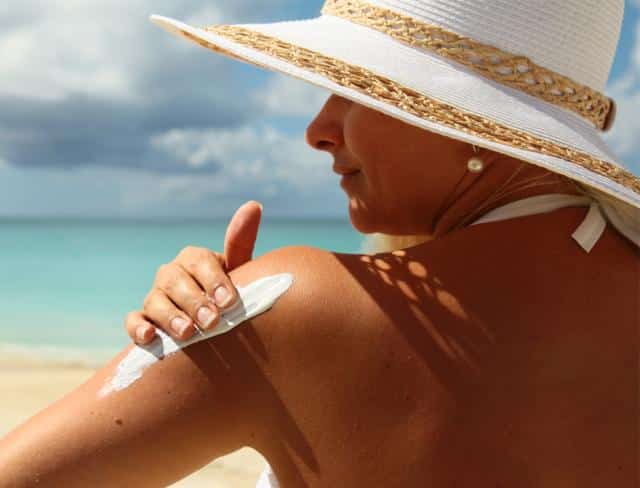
(259, 155)
(287, 96)
(105, 114)
(90, 83)
(128, 193)
(88, 130)
(107, 47)
(623, 137)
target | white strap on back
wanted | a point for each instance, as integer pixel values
(591, 228)
(586, 235)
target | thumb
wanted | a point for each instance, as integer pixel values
(242, 232)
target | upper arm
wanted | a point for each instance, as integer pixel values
(200, 403)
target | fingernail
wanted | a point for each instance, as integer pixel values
(205, 317)
(141, 333)
(222, 296)
(179, 325)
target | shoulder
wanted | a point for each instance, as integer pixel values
(353, 326)
(325, 289)
(320, 277)
(303, 259)
(293, 258)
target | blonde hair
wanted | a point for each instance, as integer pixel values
(624, 213)
(379, 243)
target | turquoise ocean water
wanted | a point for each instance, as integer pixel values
(67, 284)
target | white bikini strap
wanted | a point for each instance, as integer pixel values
(591, 228)
(586, 235)
(534, 205)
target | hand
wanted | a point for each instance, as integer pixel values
(185, 288)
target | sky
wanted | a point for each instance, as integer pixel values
(103, 114)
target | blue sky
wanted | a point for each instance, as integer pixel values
(104, 114)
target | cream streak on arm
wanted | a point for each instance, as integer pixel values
(255, 298)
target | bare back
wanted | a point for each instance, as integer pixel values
(500, 355)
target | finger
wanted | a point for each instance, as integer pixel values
(183, 290)
(164, 314)
(207, 269)
(139, 328)
(241, 235)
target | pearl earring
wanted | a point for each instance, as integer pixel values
(475, 164)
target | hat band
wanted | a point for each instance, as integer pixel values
(511, 70)
(390, 92)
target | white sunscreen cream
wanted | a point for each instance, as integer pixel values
(255, 298)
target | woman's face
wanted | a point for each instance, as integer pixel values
(404, 173)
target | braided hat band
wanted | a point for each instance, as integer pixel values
(413, 102)
(515, 71)
(382, 54)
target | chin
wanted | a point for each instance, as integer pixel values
(370, 228)
(362, 222)
(383, 233)
(361, 225)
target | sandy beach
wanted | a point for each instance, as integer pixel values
(30, 386)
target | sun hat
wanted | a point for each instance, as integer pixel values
(521, 78)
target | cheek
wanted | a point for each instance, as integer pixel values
(366, 135)
(391, 155)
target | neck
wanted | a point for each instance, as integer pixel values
(503, 181)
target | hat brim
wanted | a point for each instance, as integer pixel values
(455, 102)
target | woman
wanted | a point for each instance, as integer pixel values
(452, 354)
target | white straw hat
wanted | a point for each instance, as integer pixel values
(522, 78)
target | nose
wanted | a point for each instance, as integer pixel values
(325, 132)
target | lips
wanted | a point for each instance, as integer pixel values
(344, 170)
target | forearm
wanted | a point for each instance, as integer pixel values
(152, 433)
